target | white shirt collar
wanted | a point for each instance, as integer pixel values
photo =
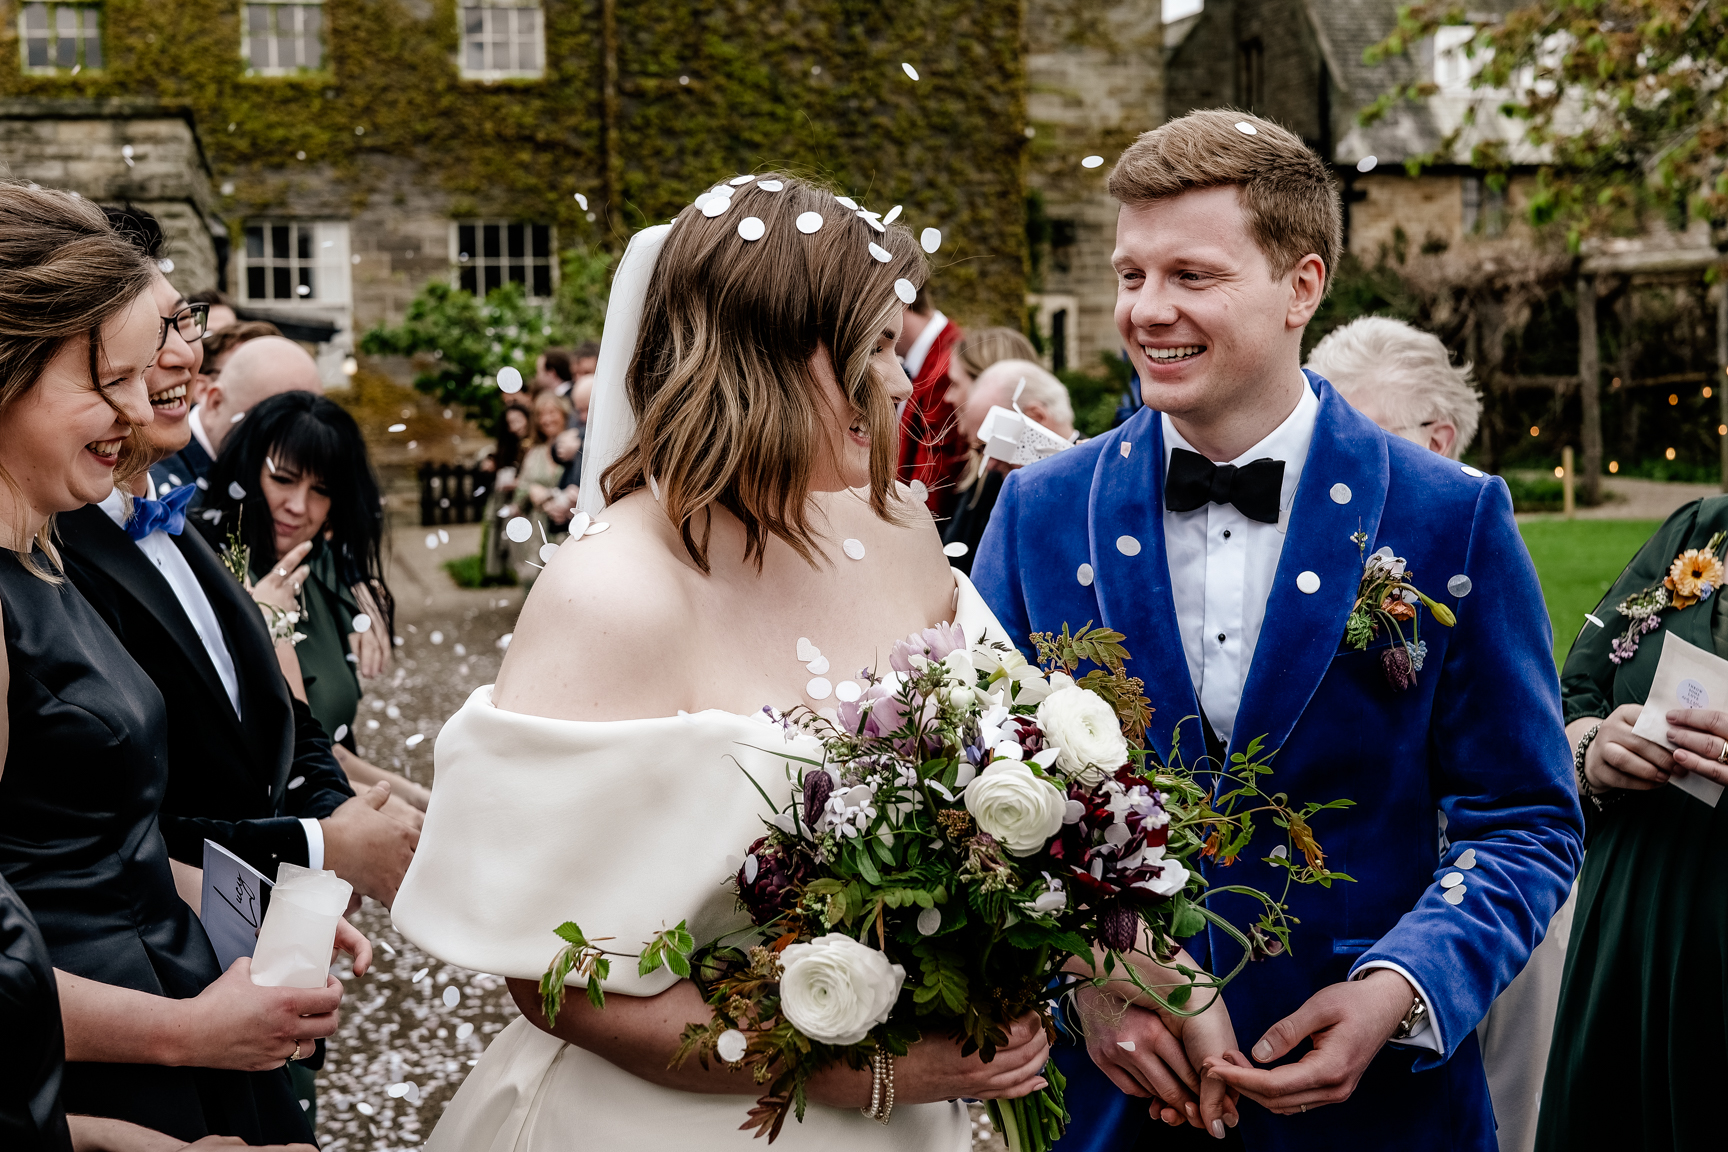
(1288, 442)
(914, 361)
(115, 505)
(198, 432)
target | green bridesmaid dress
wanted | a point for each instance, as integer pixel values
(1640, 1046)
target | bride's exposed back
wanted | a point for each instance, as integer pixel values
(740, 452)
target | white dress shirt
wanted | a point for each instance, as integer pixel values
(915, 356)
(1222, 566)
(161, 551)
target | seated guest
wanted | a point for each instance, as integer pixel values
(155, 1034)
(1042, 398)
(978, 350)
(257, 369)
(1403, 379)
(296, 472)
(219, 347)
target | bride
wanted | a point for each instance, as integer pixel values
(739, 457)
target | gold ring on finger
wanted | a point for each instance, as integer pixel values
(296, 1055)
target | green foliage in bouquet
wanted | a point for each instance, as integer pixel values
(970, 838)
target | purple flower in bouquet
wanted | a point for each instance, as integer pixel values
(818, 786)
(1112, 840)
(934, 644)
(772, 877)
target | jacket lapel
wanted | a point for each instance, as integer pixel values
(90, 531)
(1125, 515)
(1302, 629)
(264, 693)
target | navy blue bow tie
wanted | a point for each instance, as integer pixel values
(168, 513)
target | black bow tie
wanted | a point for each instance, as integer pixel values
(1194, 481)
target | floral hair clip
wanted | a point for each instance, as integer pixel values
(1692, 578)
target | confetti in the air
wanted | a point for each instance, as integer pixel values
(235, 490)
(509, 380)
(414, 740)
(930, 239)
(1092, 162)
(893, 215)
(519, 529)
(582, 201)
(362, 623)
(431, 539)
(1367, 163)
(909, 70)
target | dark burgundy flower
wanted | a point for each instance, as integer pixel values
(1118, 925)
(1027, 734)
(817, 787)
(781, 871)
(1395, 663)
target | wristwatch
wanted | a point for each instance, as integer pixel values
(1412, 1019)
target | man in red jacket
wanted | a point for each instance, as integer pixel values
(932, 450)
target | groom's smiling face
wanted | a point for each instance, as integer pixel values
(1206, 322)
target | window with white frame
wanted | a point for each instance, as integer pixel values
(277, 39)
(502, 39)
(491, 253)
(288, 261)
(60, 37)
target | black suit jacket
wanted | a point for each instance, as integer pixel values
(243, 781)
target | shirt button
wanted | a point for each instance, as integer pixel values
(1226, 533)
(1220, 637)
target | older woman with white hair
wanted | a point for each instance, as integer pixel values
(1403, 379)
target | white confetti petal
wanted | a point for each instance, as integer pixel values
(547, 551)
(397, 1091)
(582, 201)
(596, 528)
(1092, 162)
(847, 691)
(414, 740)
(818, 666)
(1590, 616)
(362, 623)
(807, 651)
(431, 539)
(751, 228)
(1125, 1045)
(392, 428)
(846, 202)
(1473, 473)
(882, 254)
(298, 780)
(1340, 493)
(1308, 582)
(341, 731)
(443, 536)
(809, 222)
(1459, 585)
(930, 239)
(363, 1108)
(419, 976)
(519, 529)
(906, 290)
(1455, 896)
(751, 869)
(1367, 163)
(893, 215)
(437, 637)
(1084, 574)
(929, 921)
(1246, 128)
(716, 205)
(770, 185)
(452, 996)
(731, 1046)
(464, 1030)
(819, 689)
(737, 181)
(509, 380)
(918, 491)
(909, 70)
(235, 490)
(957, 548)
(1127, 545)
(1466, 859)
(1126, 448)
(853, 548)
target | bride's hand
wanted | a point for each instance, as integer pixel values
(933, 1069)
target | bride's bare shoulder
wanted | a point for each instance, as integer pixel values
(584, 645)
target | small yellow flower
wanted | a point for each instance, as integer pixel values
(1694, 574)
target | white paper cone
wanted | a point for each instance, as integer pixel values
(300, 928)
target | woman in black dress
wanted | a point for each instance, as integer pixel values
(155, 1034)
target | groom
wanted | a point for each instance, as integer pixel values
(1223, 530)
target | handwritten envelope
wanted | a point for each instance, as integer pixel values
(235, 897)
(1686, 677)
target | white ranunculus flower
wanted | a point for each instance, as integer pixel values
(1085, 727)
(1016, 805)
(834, 989)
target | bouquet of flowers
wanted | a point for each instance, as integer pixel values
(976, 829)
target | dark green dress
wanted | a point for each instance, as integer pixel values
(332, 677)
(1640, 1049)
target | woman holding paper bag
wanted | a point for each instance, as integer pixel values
(155, 1034)
(1640, 1046)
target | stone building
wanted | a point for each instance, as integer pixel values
(1094, 81)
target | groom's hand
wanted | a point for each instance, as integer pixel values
(1349, 1023)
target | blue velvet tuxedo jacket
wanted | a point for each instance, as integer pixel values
(1478, 740)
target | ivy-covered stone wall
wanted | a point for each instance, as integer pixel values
(642, 104)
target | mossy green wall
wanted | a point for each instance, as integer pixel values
(949, 146)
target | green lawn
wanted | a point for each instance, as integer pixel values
(1577, 560)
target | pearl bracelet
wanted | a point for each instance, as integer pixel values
(881, 1088)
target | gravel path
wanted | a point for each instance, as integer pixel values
(412, 1027)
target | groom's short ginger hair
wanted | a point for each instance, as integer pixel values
(1288, 193)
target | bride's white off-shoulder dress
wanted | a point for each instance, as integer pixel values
(625, 827)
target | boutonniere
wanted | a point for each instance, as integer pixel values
(1692, 578)
(1387, 598)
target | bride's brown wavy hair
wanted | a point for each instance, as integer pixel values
(728, 410)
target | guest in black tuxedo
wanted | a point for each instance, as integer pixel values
(258, 369)
(154, 1033)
